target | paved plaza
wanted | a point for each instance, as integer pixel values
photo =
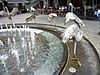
(90, 30)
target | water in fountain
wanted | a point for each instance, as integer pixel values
(9, 44)
(14, 51)
(29, 51)
(14, 25)
(6, 26)
(3, 58)
(1, 44)
(24, 47)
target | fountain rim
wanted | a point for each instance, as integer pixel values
(60, 29)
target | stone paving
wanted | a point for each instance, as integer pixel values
(90, 30)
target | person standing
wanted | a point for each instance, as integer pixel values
(55, 3)
(98, 14)
(5, 10)
(5, 6)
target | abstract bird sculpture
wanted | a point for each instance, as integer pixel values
(33, 16)
(14, 12)
(51, 17)
(75, 33)
(70, 16)
(70, 7)
(72, 31)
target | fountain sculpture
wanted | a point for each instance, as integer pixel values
(75, 33)
(51, 17)
(33, 16)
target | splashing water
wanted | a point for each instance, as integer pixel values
(24, 45)
(1, 26)
(27, 52)
(3, 58)
(6, 26)
(14, 25)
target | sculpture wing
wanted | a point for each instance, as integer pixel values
(14, 11)
(30, 18)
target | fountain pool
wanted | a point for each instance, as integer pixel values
(30, 51)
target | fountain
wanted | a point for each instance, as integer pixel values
(28, 50)
(37, 49)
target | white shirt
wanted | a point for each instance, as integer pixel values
(98, 12)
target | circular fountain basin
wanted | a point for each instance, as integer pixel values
(30, 51)
(52, 57)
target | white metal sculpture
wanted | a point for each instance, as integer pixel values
(72, 31)
(51, 16)
(33, 16)
(75, 33)
(13, 13)
(70, 16)
(70, 7)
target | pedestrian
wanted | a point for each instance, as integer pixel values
(41, 4)
(5, 9)
(55, 3)
(98, 16)
(5, 6)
